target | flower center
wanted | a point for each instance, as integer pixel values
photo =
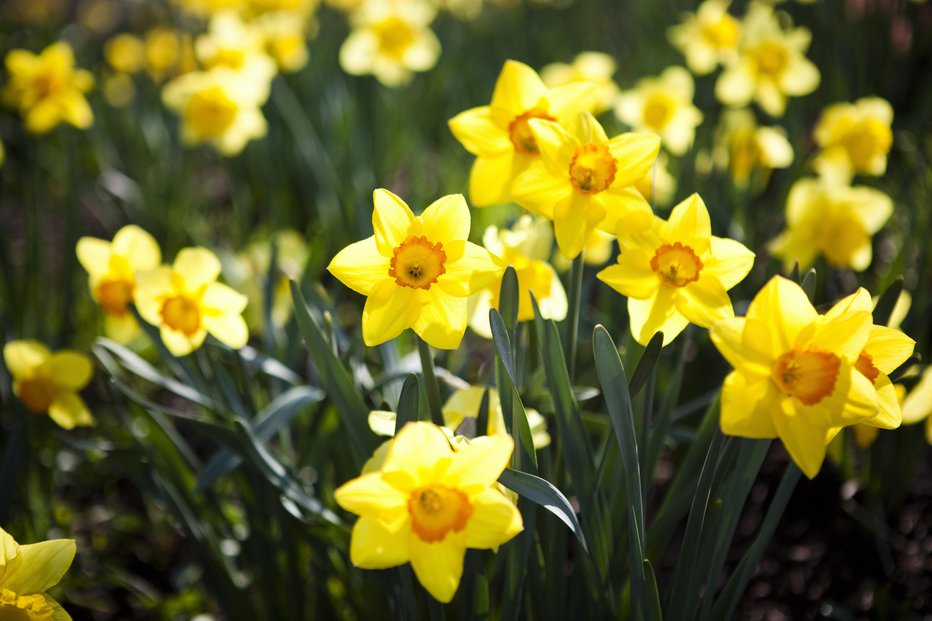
(210, 112)
(227, 57)
(114, 295)
(48, 84)
(519, 131)
(677, 265)
(417, 263)
(36, 393)
(722, 33)
(182, 313)
(592, 168)
(23, 607)
(865, 365)
(435, 510)
(658, 110)
(808, 375)
(867, 139)
(771, 58)
(395, 37)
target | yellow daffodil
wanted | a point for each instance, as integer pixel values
(428, 504)
(594, 67)
(917, 405)
(207, 8)
(112, 268)
(500, 136)
(795, 376)
(677, 273)
(416, 271)
(49, 382)
(854, 138)
(743, 147)
(47, 89)
(163, 51)
(771, 64)
(297, 8)
(583, 180)
(220, 107)
(284, 37)
(525, 247)
(707, 37)
(119, 89)
(235, 45)
(27, 572)
(125, 53)
(391, 39)
(664, 106)
(186, 303)
(836, 221)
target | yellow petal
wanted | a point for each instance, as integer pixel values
(537, 190)
(8, 550)
(94, 256)
(689, 224)
(735, 86)
(360, 266)
(39, 566)
(635, 154)
(70, 369)
(138, 247)
(806, 443)
(478, 133)
(121, 328)
(588, 130)
(382, 422)
(749, 404)
(556, 146)
(376, 546)
(479, 465)
(229, 328)
(632, 275)
(439, 566)
(197, 267)
(518, 88)
(490, 179)
(494, 521)
(390, 309)
(180, 344)
(446, 219)
(844, 336)
(371, 496)
(472, 272)
(419, 451)
(442, 321)
(888, 348)
(566, 102)
(21, 357)
(221, 299)
(58, 613)
(656, 314)
(741, 352)
(782, 309)
(571, 225)
(889, 415)
(69, 411)
(151, 287)
(918, 403)
(626, 212)
(728, 260)
(704, 302)
(391, 220)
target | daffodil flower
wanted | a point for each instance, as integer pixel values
(49, 382)
(112, 268)
(795, 374)
(500, 135)
(854, 138)
(677, 273)
(592, 67)
(917, 406)
(707, 37)
(583, 180)
(427, 504)
(186, 303)
(742, 146)
(416, 271)
(27, 572)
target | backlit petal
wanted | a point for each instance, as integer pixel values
(782, 309)
(94, 256)
(494, 521)
(473, 271)
(635, 154)
(918, 403)
(360, 266)
(478, 133)
(39, 566)
(138, 247)
(656, 314)
(748, 405)
(391, 220)
(439, 566)
(197, 267)
(490, 179)
(888, 348)
(370, 496)
(704, 302)
(374, 545)
(446, 219)
(21, 357)
(419, 455)
(518, 88)
(69, 411)
(479, 464)
(70, 369)
(537, 190)
(230, 329)
(442, 321)
(728, 260)
(806, 443)
(632, 275)
(733, 342)
(689, 224)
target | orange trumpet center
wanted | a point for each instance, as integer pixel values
(435, 510)
(808, 375)
(417, 263)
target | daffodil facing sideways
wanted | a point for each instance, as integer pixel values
(594, 67)
(48, 383)
(27, 572)
(230, 42)
(391, 39)
(47, 89)
(744, 147)
(416, 271)
(663, 105)
(186, 302)
(112, 268)
(771, 64)
(500, 135)
(707, 37)
(677, 273)
(855, 138)
(795, 372)
(524, 247)
(917, 406)
(584, 180)
(220, 107)
(427, 504)
(835, 221)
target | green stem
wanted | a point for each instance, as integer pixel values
(430, 380)
(574, 309)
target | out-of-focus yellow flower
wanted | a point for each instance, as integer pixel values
(525, 247)
(47, 89)
(27, 572)
(208, 8)
(677, 273)
(220, 107)
(162, 52)
(186, 302)
(742, 146)
(707, 37)
(119, 89)
(284, 38)
(391, 39)
(795, 376)
(98, 16)
(855, 139)
(37, 12)
(659, 185)
(299, 9)
(836, 221)
(499, 134)
(583, 180)
(771, 64)
(596, 252)
(900, 309)
(112, 268)
(428, 504)
(347, 6)
(416, 271)
(466, 10)
(664, 106)
(232, 44)
(594, 67)
(125, 53)
(49, 382)
(917, 405)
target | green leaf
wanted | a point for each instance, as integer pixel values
(541, 492)
(887, 302)
(525, 457)
(409, 403)
(654, 612)
(808, 283)
(646, 364)
(508, 299)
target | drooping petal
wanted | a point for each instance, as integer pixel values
(749, 404)
(120, 328)
(806, 443)
(704, 302)
(391, 220)
(375, 545)
(180, 344)
(446, 219)
(390, 309)
(571, 225)
(197, 267)
(21, 357)
(70, 369)
(360, 266)
(495, 520)
(39, 566)
(656, 314)
(479, 465)
(632, 275)
(889, 415)
(439, 566)
(442, 321)
(479, 133)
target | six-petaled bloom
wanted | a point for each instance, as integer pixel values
(27, 572)
(427, 504)
(855, 139)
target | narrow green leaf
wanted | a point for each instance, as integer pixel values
(646, 364)
(502, 340)
(654, 612)
(808, 283)
(541, 492)
(508, 299)
(409, 403)
(887, 302)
